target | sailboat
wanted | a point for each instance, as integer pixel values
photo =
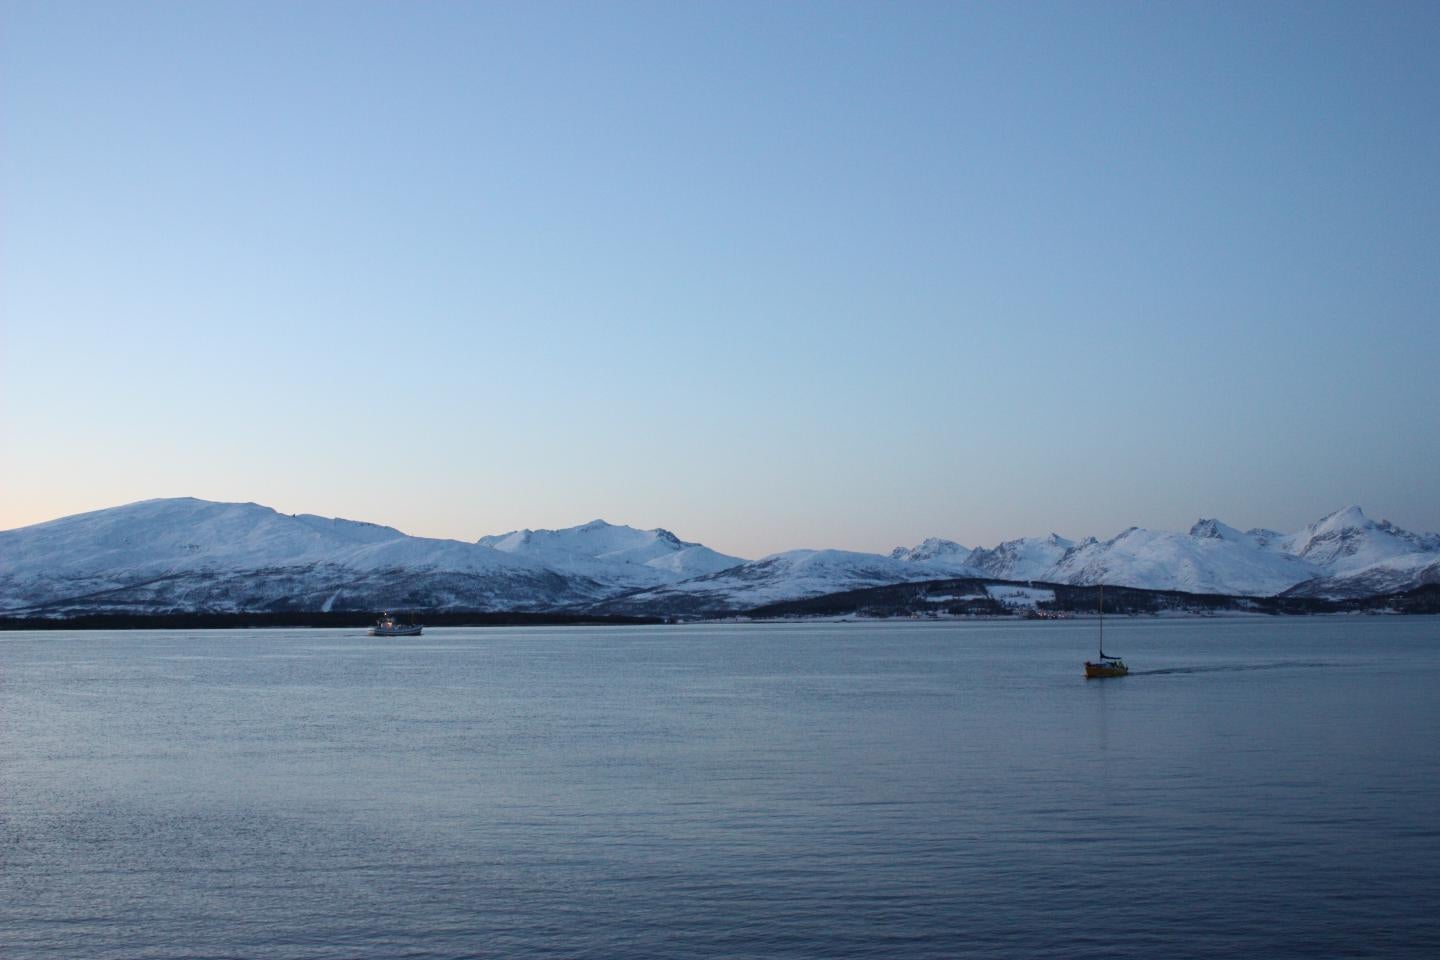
(1107, 666)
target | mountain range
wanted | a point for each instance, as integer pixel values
(185, 555)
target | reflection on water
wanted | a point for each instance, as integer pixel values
(1255, 788)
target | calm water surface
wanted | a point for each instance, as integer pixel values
(1256, 788)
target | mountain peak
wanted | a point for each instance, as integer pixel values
(1347, 541)
(645, 555)
(929, 549)
(187, 553)
(1208, 528)
(1351, 516)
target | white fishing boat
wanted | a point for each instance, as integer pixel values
(388, 626)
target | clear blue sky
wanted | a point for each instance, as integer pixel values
(771, 275)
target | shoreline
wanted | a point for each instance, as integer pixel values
(300, 620)
(512, 619)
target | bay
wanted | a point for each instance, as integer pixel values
(1256, 787)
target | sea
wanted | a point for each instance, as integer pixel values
(1256, 788)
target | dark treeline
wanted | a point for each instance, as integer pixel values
(967, 597)
(212, 621)
(962, 597)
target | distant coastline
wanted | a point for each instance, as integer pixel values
(210, 559)
(1040, 600)
(301, 619)
(955, 600)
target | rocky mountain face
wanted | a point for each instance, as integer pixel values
(1357, 556)
(186, 555)
(1030, 558)
(933, 548)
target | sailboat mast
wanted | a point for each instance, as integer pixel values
(1102, 621)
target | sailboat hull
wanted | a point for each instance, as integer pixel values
(1098, 671)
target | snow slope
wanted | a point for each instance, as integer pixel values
(1342, 555)
(187, 554)
(621, 553)
(1358, 556)
(933, 548)
(1030, 558)
(1159, 560)
(1025, 559)
(792, 575)
(1347, 542)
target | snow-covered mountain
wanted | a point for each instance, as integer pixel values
(1348, 542)
(619, 553)
(933, 548)
(1342, 555)
(1030, 558)
(1359, 557)
(1159, 560)
(783, 576)
(797, 574)
(189, 555)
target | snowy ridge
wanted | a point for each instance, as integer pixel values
(1025, 559)
(1343, 555)
(188, 554)
(195, 555)
(640, 556)
(933, 548)
(1173, 561)
(1031, 558)
(792, 575)
(1348, 542)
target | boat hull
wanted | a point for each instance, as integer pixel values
(406, 631)
(1100, 671)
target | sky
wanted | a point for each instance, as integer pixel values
(770, 275)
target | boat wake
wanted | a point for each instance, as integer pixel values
(1234, 668)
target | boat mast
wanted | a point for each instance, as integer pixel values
(1102, 621)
